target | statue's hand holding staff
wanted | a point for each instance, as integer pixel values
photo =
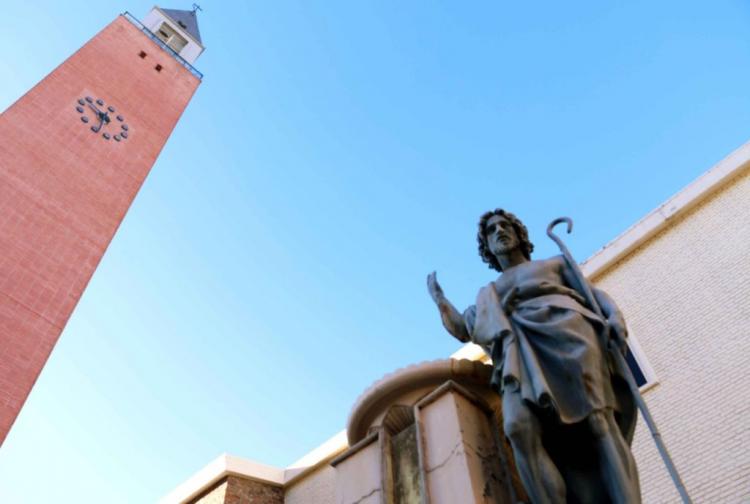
(619, 335)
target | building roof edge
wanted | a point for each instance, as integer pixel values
(656, 220)
(316, 458)
(222, 466)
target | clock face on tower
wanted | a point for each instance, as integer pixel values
(103, 119)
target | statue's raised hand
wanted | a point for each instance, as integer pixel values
(452, 320)
(433, 287)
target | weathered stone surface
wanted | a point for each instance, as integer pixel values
(462, 461)
(405, 454)
(448, 454)
(359, 478)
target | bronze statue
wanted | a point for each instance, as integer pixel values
(567, 410)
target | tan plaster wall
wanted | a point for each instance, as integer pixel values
(447, 468)
(686, 296)
(318, 487)
(358, 477)
(461, 459)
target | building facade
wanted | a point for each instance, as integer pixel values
(74, 152)
(681, 277)
(684, 286)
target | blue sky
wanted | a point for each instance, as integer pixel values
(273, 265)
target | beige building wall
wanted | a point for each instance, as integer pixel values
(318, 486)
(686, 296)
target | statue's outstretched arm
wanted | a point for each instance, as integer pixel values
(453, 321)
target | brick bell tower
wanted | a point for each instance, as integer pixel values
(74, 151)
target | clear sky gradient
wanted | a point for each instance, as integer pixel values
(273, 265)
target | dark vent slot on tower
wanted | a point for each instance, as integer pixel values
(142, 54)
(157, 68)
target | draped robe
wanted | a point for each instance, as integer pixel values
(546, 344)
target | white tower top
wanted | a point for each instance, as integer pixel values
(178, 29)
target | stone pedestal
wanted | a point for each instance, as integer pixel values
(428, 434)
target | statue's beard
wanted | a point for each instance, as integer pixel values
(503, 249)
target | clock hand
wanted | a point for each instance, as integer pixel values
(101, 123)
(93, 107)
(103, 117)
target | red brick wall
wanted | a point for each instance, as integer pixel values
(214, 495)
(64, 190)
(243, 491)
(237, 490)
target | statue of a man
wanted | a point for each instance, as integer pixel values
(568, 416)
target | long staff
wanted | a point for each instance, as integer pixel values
(622, 365)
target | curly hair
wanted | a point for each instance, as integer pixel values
(523, 236)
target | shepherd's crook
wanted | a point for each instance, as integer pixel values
(619, 358)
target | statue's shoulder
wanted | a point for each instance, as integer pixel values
(558, 260)
(492, 285)
(495, 285)
(554, 262)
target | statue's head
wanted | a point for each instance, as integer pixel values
(500, 232)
